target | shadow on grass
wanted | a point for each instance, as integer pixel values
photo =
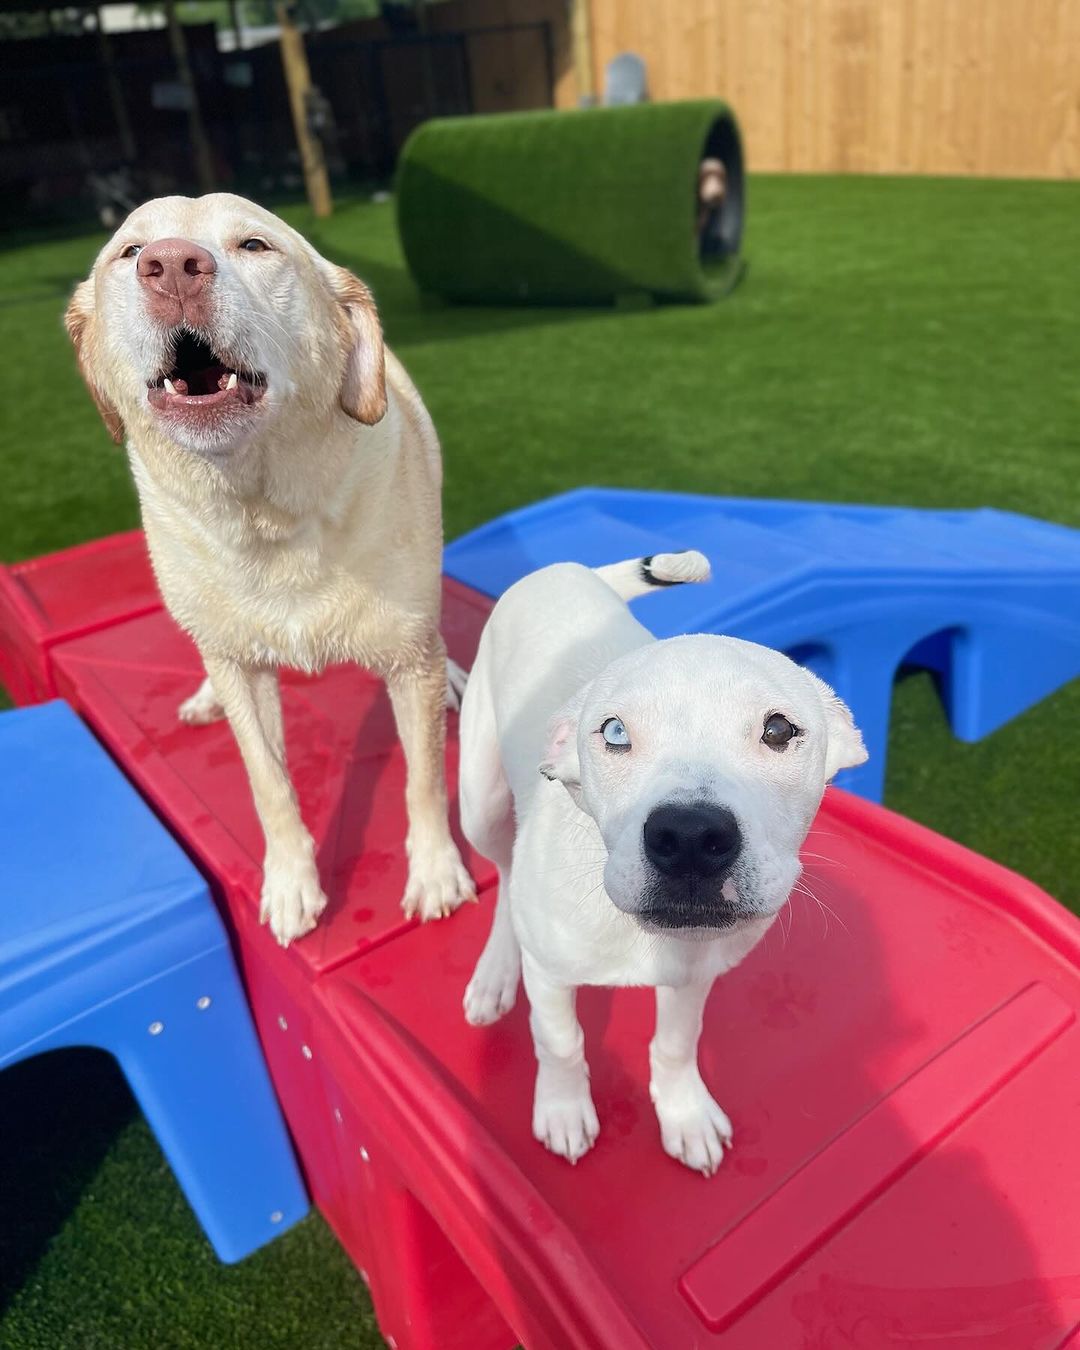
(413, 317)
(59, 1115)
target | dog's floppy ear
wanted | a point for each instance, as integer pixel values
(79, 322)
(845, 749)
(363, 387)
(560, 762)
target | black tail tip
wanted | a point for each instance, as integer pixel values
(651, 579)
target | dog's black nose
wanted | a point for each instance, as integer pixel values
(692, 841)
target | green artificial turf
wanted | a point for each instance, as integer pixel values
(551, 207)
(895, 341)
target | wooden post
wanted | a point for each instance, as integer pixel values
(116, 93)
(234, 20)
(298, 79)
(430, 108)
(204, 160)
(581, 40)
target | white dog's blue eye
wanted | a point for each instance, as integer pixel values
(615, 734)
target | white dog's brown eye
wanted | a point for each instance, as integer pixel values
(615, 735)
(778, 731)
(132, 251)
(255, 245)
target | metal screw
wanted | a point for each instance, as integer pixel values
(282, 1023)
(305, 1050)
(337, 1114)
(156, 1028)
(277, 1216)
(203, 1003)
(364, 1154)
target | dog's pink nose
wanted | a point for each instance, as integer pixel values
(175, 273)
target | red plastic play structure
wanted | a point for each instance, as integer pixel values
(902, 1067)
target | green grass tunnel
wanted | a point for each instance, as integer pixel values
(572, 207)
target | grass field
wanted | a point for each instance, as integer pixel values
(910, 341)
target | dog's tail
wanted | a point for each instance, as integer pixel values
(638, 576)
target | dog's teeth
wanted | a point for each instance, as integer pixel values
(232, 381)
(170, 388)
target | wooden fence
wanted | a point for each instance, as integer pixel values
(986, 87)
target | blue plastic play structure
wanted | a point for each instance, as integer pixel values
(109, 938)
(988, 600)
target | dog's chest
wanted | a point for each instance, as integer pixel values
(569, 924)
(305, 626)
(288, 606)
(615, 953)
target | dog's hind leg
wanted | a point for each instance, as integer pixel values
(492, 991)
(456, 680)
(487, 818)
(202, 707)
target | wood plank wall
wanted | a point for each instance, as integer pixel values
(985, 87)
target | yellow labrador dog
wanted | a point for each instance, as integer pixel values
(289, 477)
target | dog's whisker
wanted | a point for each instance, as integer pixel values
(823, 858)
(811, 896)
(585, 873)
(255, 333)
(825, 909)
(582, 900)
(582, 867)
(583, 896)
(596, 856)
(829, 910)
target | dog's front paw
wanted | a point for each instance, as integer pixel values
(438, 883)
(567, 1125)
(292, 898)
(696, 1132)
(492, 991)
(202, 707)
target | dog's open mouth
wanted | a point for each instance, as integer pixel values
(199, 378)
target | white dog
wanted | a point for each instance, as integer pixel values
(644, 803)
(289, 478)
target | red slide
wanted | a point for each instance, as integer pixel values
(902, 1066)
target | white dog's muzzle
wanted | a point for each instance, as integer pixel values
(685, 870)
(690, 853)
